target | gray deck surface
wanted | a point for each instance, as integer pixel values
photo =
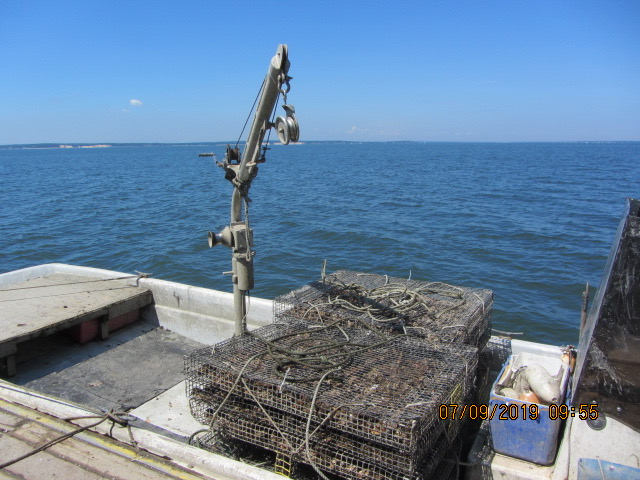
(123, 377)
(41, 356)
(50, 303)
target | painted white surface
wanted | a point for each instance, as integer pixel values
(169, 411)
(615, 443)
(523, 346)
(200, 314)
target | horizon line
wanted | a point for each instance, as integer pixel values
(222, 142)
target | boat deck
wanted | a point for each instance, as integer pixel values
(135, 365)
(48, 304)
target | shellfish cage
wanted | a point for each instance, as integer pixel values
(351, 376)
(436, 311)
(340, 462)
(332, 451)
(388, 392)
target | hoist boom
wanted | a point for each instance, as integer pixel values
(241, 169)
(273, 83)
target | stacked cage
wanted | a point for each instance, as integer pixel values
(435, 311)
(345, 398)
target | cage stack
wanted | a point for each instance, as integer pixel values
(435, 311)
(344, 397)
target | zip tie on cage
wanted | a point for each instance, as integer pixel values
(416, 404)
(284, 380)
(481, 300)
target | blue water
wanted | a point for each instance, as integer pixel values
(532, 222)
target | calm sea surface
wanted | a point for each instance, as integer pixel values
(533, 222)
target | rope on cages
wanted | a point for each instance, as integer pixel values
(330, 356)
(308, 434)
(389, 304)
(226, 399)
(324, 357)
(299, 443)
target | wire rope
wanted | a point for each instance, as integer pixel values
(250, 111)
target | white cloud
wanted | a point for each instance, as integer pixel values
(355, 129)
(135, 103)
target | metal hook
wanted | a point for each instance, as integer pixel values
(283, 79)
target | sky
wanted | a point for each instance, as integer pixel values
(188, 71)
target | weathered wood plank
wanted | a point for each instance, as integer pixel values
(47, 304)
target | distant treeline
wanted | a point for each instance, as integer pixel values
(273, 142)
(158, 144)
(85, 145)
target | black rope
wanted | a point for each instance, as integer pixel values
(62, 294)
(252, 107)
(115, 417)
(265, 145)
(328, 355)
(72, 283)
(139, 276)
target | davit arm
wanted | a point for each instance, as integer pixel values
(241, 169)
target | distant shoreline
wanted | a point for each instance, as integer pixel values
(42, 146)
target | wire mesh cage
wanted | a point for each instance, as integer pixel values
(293, 436)
(436, 311)
(350, 378)
(349, 458)
(491, 359)
(383, 388)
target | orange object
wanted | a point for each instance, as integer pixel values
(529, 396)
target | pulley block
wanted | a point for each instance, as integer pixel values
(287, 127)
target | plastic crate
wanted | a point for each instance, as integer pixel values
(519, 436)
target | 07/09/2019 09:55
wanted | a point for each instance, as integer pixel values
(515, 411)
